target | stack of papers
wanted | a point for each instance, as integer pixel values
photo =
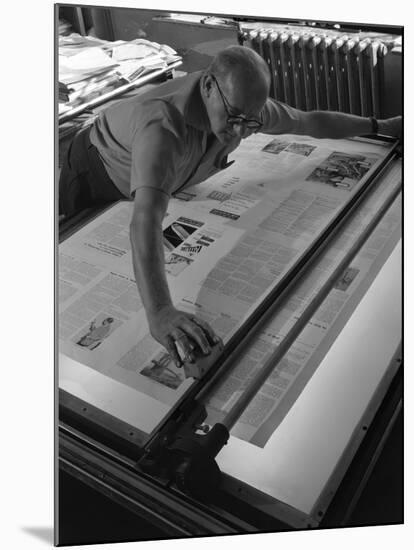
(90, 67)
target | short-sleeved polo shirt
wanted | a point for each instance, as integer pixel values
(162, 138)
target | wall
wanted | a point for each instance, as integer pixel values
(199, 43)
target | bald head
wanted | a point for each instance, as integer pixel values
(239, 66)
(234, 89)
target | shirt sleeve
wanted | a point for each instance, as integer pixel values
(156, 148)
(280, 118)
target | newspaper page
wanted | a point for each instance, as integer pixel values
(227, 243)
(290, 376)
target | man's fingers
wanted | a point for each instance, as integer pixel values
(212, 336)
(182, 339)
(172, 350)
(198, 335)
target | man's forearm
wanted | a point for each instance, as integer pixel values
(148, 262)
(334, 125)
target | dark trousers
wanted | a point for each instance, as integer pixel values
(83, 181)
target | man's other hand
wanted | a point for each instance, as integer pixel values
(177, 330)
(391, 127)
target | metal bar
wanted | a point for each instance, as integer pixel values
(362, 46)
(258, 380)
(304, 68)
(168, 527)
(321, 76)
(343, 74)
(374, 80)
(170, 510)
(315, 83)
(267, 56)
(382, 52)
(368, 74)
(325, 46)
(352, 77)
(245, 40)
(88, 442)
(287, 87)
(336, 46)
(275, 37)
(293, 73)
(254, 42)
(80, 21)
(373, 76)
(333, 77)
(274, 67)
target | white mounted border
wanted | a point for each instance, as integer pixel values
(295, 476)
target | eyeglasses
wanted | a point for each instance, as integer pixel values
(250, 123)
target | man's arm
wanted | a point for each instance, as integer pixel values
(336, 125)
(167, 324)
(280, 118)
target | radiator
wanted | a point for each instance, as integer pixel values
(326, 70)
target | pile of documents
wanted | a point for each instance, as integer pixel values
(64, 27)
(90, 67)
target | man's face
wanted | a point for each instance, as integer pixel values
(233, 107)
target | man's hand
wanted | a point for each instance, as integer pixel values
(391, 126)
(172, 327)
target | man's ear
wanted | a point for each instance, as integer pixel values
(207, 83)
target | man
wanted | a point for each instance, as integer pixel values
(151, 146)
